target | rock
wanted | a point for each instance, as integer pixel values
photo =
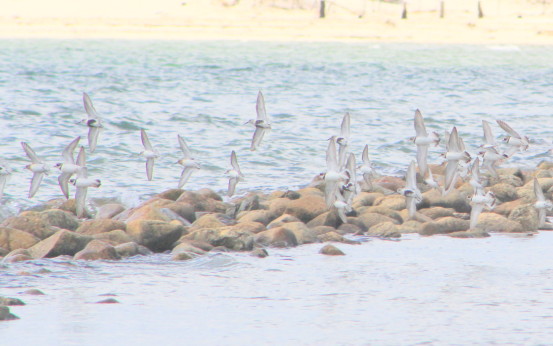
(527, 216)
(444, 225)
(184, 210)
(506, 208)
(63, 242)
(187, 247)
(109, 210)
(504, 192)
(384, 230)
(492, 222)
(6, 301)
(307, 207)
(322, 230)
(545, 165)
(183, 256)
(332, 237)
(304, 235)
(390, 183)
(114, 237)
(171, 194)
(477, 233)
(6, 315)
(384, 211)
(42, 224)
(91, 227)
(108, 301)
(395, 202)
(149, 211)
(225, 236)
(437, 212)
(157, 236)
(209, 194)
(348, 228)
(455, 200)
(17, 255)
(308, 191)
(282, 220)
(34, 292)
(131, 249)
(277, 237)
(259, 252)
(509, 179)
(329, 218)
(543, 173)
(3, 251)
(212, 220)
(252, 227)
(365, 199)
(201, 202)
(254, 216)
(411, 226)
(11, 239)
(249, 203)
(331, 250)
(97, 250)
(368, 220)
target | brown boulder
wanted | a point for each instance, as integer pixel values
(504, 192)
(114, 237)
(228, 237)
(42, 224)
(322, 230)
(506, 208)
(411, 226)
(331, 250)
(437, 212)
(477, 233)
(444, 225)
(329, 218)
(304, 235)
(92, 227)
(63, 242)
(368, 220)
(11, 239)
(307, 207)
(365, 199)
(455, 200)
(252, 227)
(109, 210)
(254, 216)
(131, 249)
(212, 220)
(281, 220)
(157, 236)
(395, 202)
(97, 250)
(394, 214)
(492, 222)
(149, 211)
(277, 237)
(187, 247)
(202, 203)
(171, 194)
(184, 210)
(527, 216)
(385, 230)
(6, 315)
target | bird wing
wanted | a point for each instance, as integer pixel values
(538, 191)
(488, 135)
(3, 179)
(260, 107)
(508, 128)
(411, 205)
(232, 186)
(82, 173)
(70, 149)
(81, 157)
(150, 168)
(541, 217)
(35, 183)
(410, 179)
(257, 137)
(350, 166)
(185, 175)
(331, 187)
(422, 157)
(30, 153)
(345, 128)
(365, 155)
(145, 140)
(63, 181)
(475, 212)
(234, 162)
(89, 107)
(93, 133)
(420, 129)
(331, 159)
(80, 200)
(453, 141)
(184, 147)
(451, 174)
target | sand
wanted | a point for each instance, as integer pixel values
(505, 22)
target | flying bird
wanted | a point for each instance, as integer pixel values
(187, 162)
(477, 202)
(82, 183)
(37, 166)
(423, 141)
(541, 204)
(411, 191)
(343, 140)
(261, 123)
(333, 176)
(93, 122)
(149, 153)
(5, 173)
(515, 141)
(454, 154)
(68, 167)
(366, 167)
(234, 174)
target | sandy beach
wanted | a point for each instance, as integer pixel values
(503, 21)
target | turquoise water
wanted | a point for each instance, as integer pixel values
(434, 290)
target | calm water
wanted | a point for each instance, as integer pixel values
(419, 290)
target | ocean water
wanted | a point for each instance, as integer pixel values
(418, 290)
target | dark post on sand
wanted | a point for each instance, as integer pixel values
(442, 9)
(480, 13)
(322, 9)
(404, 12)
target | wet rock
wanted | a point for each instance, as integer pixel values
(34, 292)
(331, 250)
(157, 236)
(510, 179)
(527, 216)
(411, 226)
(543, 173)
(63, 242)
(348, 228)
(97, 250)
(254, 216)
(17, 255)
(277, 237)
(395, 202)
(114, 237)
(249, 203)
(384, 230)
(189, 248)
(212, 220)
(225, 236)
(6, 315)
(437, 212)
(109, 210)
(444, 225)
(477, 233)
(183, 256)
(322, 230)
(209, 194)
(252, 227)
(11, 239)
(390, 183)
(368, 220)
(308, 191)
(281, 220)
(202, 203)
(6, 301)
(384, 211)
(108, 301)
(91, 227)
(42, 224)
(171, 194)
(184, 210)
(455, 200)
(131, 249)
(332, 237)
(307, 207)
(504, 192)
(492, 222)
(365, 199)
(259, 252)
(506, 208)
(329, 218)
(304, 235)
(526, 194)
(3, 251)
(149, 211)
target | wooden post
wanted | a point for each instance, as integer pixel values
(442, 9)
(404, 13)
(322, 9)
(480, 13)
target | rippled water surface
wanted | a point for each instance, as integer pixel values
(434, 290)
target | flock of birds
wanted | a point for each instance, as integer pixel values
(341, 184)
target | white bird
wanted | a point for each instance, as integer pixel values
(477, 202)
(149, 153)
(489, 139)
(476, 178)
(5, 173)
(515, 141)
(541, 203)
(333, 176)
(351, 188)
(491, 158)
(261, 123)
(423, 141)
(37, 166)
(68, 167)
(187, 162)
(93, 122)
(82, 183)
(366, 167)
(454, 154)
(234, 174)
(343, 141)
(342, 207)
(411, 191)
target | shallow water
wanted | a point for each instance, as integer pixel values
(435, 290)
(205, 91)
